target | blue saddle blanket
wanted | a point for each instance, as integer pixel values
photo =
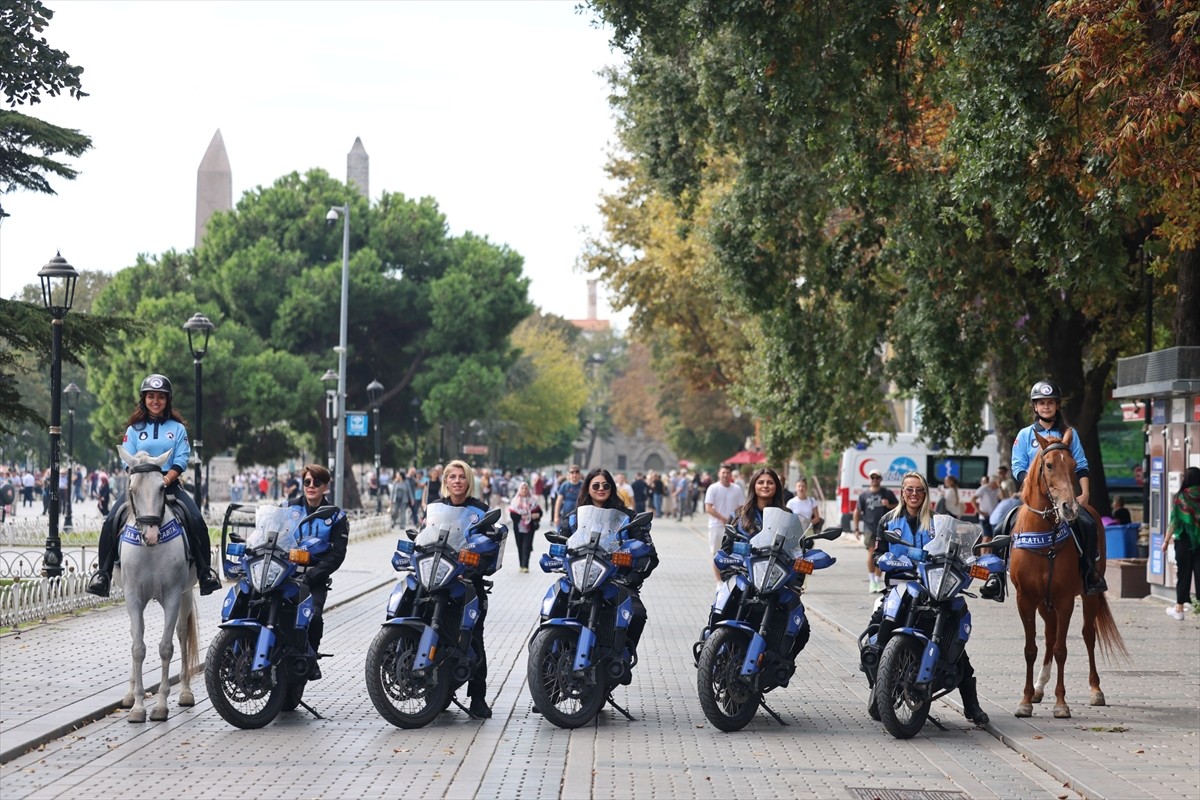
(165, 534)
(1028, 540)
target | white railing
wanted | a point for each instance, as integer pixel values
(29, 597)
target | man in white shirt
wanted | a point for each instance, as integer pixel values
(721, 503)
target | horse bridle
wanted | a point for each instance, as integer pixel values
(147, 519)
(1052, 511)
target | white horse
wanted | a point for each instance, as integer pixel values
(154, 566)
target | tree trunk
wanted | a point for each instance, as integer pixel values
(1186, 325)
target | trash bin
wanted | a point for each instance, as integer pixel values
(1121, 540)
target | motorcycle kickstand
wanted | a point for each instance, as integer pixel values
(613, 703)
(763, 703)
(467, 711)
(934, 720)
(310, 709)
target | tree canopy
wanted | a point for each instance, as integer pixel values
(889, 194)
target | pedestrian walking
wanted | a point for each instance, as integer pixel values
(1184, 529)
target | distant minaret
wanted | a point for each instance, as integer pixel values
(358, 168)
(214, 184)
(591, 307)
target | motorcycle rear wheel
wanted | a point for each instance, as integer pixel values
(729, 700)
(903, 706)
(243, 698)
(403, 699)
(564, 697)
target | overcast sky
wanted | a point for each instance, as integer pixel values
(493, 108)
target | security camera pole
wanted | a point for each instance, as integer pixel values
(340, 475)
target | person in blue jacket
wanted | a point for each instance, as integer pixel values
(155, 427)
(913, 519)
(329, 523)
(1046, 398)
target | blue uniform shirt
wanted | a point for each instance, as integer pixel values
(160, 437)
(1025, 449)
(912, 538)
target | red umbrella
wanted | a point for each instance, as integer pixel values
(746, 457)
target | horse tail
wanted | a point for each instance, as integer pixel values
(190, 657)
(1111, 642)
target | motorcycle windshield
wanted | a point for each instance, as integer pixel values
(783, 528)
(597, 525)
(444, 522)
(275, 528)
(953, 537)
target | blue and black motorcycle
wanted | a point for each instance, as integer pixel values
(423, 653)
(911, 651)
(260, 661)
(758, 626)
(580, 652)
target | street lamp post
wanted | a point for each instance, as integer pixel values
(415, 405)
(72, 393)
(330, 378)
(198, 328)
(58, 292)
(375, 394)
(340, 474)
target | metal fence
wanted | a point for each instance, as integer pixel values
(27, 596)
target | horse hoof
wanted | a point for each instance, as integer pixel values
(1024, 710)
(158, 715)
(127, 701)
(138, 715)
(187, 699)
(1037, 697)
(1097, 698)
(1062, 712)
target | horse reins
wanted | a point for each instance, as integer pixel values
(1052, 511)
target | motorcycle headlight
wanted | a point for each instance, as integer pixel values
(767, 575)
(265, 573)
(586, 574)
(942, 583)
(434, 572)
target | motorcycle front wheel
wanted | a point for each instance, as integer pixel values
(903, 706)
(294, 694)
(566, 698)
(729, 700)
(244, 698)
(403, 699)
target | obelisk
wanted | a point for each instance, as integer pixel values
(214, 184)
(358, 168)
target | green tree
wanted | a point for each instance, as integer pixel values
(29, 67)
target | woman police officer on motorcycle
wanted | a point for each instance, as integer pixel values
(155, 427)
(329, 523)
(913, 519)
(458, 490)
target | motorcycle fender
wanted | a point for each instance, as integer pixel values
(583, 648)
(929, 662)
(758, 645)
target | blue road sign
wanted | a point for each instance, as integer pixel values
(356, 423)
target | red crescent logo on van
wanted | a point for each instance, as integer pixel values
(864, 469)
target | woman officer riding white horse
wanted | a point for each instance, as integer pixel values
(156, 428)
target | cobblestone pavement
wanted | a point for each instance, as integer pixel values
(1143, 745)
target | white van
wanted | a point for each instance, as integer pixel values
(894, 458)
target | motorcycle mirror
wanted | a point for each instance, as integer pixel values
(489, 518)
(638, 521)
(556, 537)
(411, 533)
(998, 543)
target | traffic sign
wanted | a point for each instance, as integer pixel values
(356, 423)
(475, 449)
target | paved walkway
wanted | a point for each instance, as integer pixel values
(1143, 745)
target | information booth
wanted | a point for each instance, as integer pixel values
(1168, 382)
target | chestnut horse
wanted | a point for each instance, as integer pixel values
(1045, 573)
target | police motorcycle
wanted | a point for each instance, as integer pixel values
(260, 661)
(423, 653)
(760, 625)
(580, 653)
(911, 655)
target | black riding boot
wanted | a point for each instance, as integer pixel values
(993, 588)
(970, 701)
(101, 581)
(1093, 581)
(209, 580)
